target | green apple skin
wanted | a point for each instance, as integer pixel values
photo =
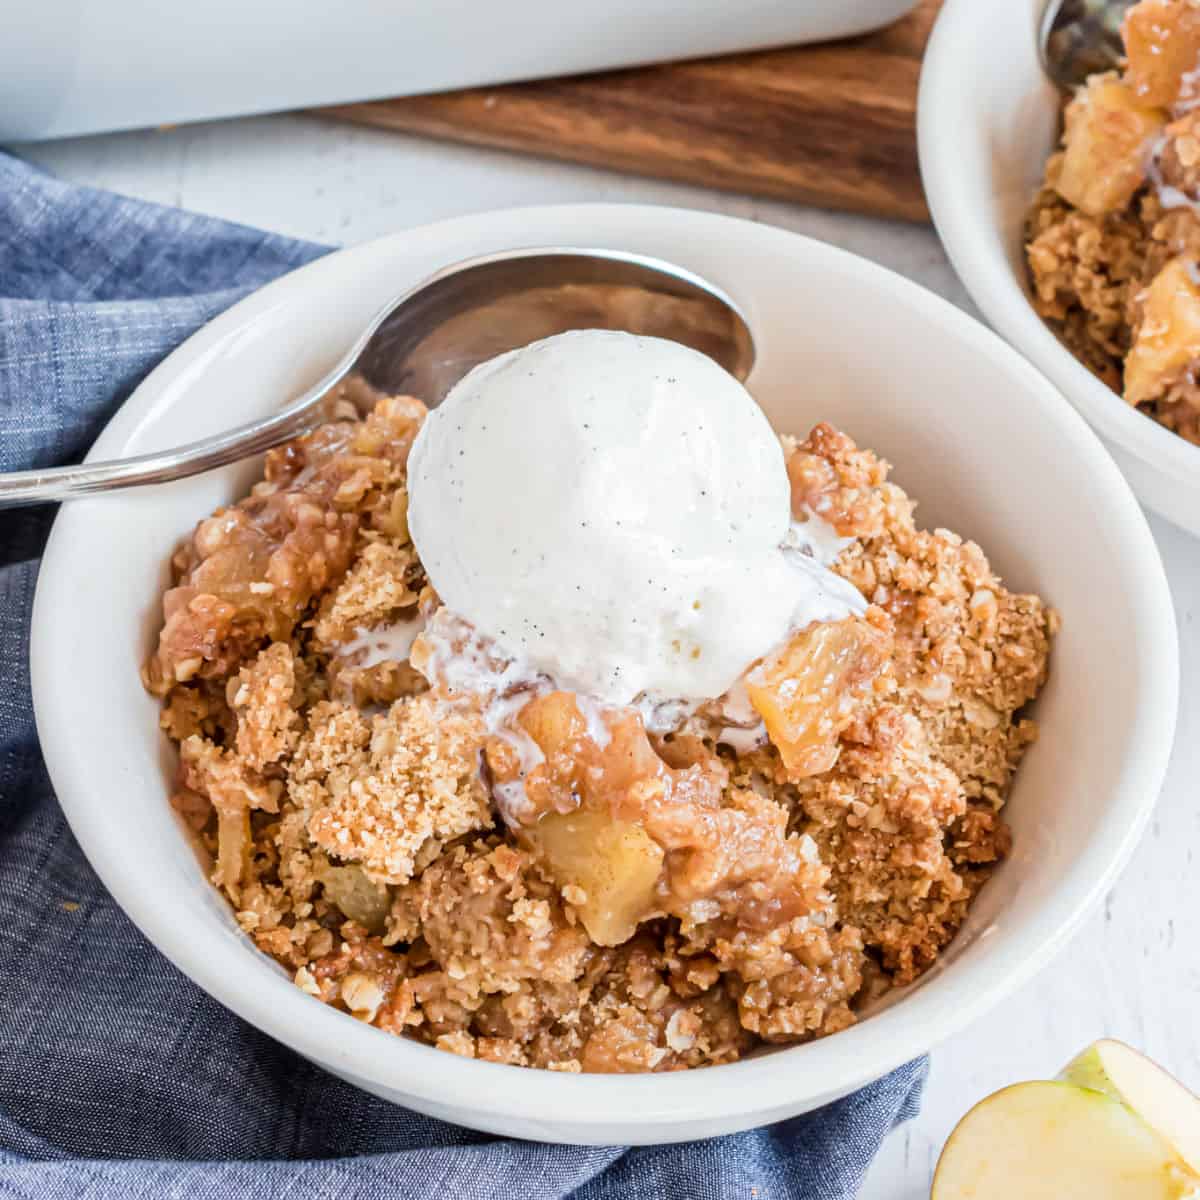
(1086, 1070)
(1142, 1085)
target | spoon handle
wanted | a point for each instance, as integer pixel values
(66, 483)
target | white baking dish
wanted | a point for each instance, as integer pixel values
(69, 67)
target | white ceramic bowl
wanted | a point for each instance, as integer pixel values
(987, 119)
(838, 338)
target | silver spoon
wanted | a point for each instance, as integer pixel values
(1079, 38)
(425, 340)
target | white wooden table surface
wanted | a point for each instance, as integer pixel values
(1134, 970)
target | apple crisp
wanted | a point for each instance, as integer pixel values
(566, 889)
(1113, 238)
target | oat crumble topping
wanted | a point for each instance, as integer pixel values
(664, 901)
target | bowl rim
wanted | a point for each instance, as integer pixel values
(733, 1092)
(987, 274)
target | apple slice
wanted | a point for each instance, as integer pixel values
(1157, 1097)
(1057, 1141)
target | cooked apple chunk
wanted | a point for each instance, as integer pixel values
(1162, 45)
(807, 692)
(608, 869)
(359, 897)
(1109, 132)
(554, 721)
(1167, 341)
(607, 866)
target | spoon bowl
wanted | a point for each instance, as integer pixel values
(1079, 38)
(426, 339)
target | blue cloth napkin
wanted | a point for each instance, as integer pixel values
(119, 1077)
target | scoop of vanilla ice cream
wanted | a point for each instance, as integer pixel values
(614, 509)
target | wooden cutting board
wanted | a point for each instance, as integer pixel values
(831, 125)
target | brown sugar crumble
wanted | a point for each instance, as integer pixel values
(1113, 236)
(659, 901)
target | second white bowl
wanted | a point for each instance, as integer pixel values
(987, 119)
